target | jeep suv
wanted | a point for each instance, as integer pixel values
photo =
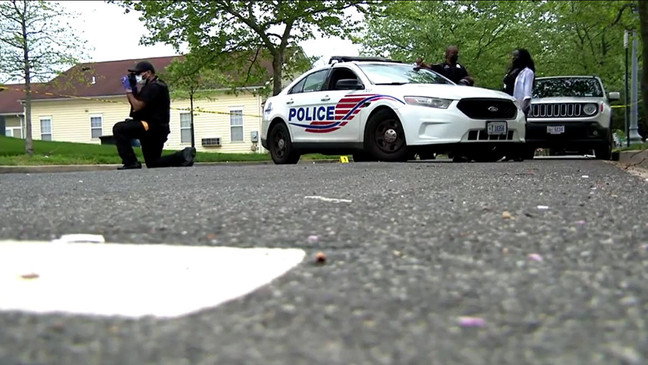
(571, 113)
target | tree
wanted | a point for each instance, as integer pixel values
(212, 29)
(194, 77)
(35, 42)
(643, 21)
(185, 81)
(563, 37)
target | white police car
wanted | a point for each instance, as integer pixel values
(377, 109)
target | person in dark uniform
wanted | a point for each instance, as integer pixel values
(148, 122)
(450, 68)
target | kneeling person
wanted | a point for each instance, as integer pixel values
(149, 122)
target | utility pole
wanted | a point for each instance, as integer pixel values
(633, 135)
(626, 124)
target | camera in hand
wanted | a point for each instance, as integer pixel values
(133, 82)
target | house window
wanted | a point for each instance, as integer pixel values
(96, 123)
(46, 128)
(236, 125)
(15, 132)
(185, 127)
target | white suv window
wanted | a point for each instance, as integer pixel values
(568, 86)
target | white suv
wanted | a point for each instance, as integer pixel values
(571, 113)
(377, 109)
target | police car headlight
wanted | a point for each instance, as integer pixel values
(590, 109)
(427, 101)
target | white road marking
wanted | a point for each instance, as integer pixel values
(333, 200)
(132, 280)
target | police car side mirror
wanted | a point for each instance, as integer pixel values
(614, 95)
(348, 84)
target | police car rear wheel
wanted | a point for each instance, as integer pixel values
(385, 137)
(281, 148)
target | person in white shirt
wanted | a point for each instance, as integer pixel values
(518, 81)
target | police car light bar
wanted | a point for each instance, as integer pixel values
(358, 58)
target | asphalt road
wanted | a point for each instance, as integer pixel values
(549, 258)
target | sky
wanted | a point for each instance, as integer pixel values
(113, 35)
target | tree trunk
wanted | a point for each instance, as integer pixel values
(643, 22)
(29, 148)
(277, 64)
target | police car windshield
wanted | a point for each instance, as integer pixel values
(399, 74)
(568, 86)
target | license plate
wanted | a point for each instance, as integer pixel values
(555, 129)
(496, 128)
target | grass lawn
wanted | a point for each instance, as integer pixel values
(12, 153)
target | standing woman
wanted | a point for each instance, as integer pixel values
(518, 81)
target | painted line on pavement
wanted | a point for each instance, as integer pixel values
(132, 280)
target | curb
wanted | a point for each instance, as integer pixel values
(637, 158)
(55, 168)
(110, 167)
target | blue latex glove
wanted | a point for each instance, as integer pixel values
(126, 84)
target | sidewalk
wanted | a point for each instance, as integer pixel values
(636, 159)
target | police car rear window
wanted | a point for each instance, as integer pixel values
(571, 87)
(395, 74)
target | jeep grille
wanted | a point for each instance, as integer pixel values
(558, 110)
(488, 108)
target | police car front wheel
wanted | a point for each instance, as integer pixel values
(385, 138)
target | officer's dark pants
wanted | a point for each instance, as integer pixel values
(152, 142)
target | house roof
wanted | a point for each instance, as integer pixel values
(10, 96)
(95, 79)
(90, 80)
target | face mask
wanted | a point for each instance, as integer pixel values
(139, 79)
(454, 58)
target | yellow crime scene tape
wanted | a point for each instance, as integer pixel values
(197, 110)
(623, 106)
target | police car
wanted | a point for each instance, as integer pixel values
(382, 110)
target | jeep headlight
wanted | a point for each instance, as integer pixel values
(428, 101)
(590, 109)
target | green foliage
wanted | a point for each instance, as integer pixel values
(231, 34)
(563, 37)
(38, 35)
(35, 42)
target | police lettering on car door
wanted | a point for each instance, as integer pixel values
(323, 119)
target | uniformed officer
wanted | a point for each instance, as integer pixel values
(149, 122)
(452, 70)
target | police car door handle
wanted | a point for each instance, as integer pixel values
(326, 98)
(291, 101)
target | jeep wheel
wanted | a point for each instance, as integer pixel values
(604, 151)
(385, 138)
(427, 155)
(280, 145)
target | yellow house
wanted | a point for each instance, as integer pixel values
(83, 104)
